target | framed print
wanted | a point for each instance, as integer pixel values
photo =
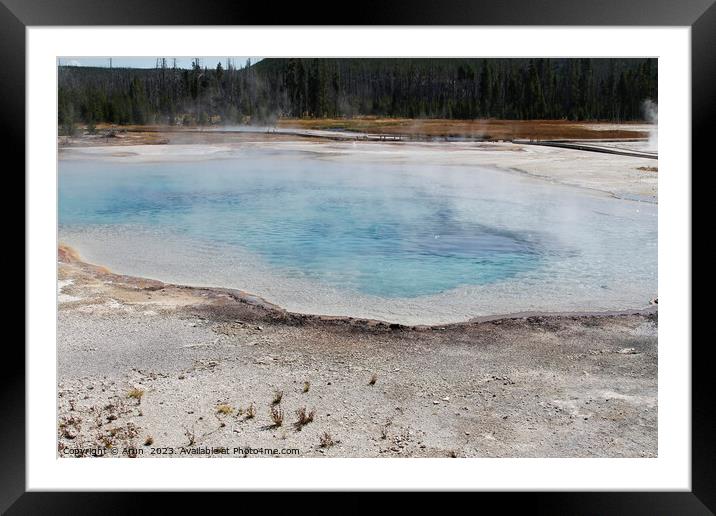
(444, 248)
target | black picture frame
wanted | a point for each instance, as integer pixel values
(700, 15)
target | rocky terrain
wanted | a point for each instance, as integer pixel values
(150, 369)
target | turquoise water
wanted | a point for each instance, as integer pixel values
(388, 231)
(336, 227)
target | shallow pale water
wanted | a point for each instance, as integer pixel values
(403, 242)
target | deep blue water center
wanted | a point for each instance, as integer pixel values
(385, 230)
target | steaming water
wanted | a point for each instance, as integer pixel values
(651, 113)
(400, 242)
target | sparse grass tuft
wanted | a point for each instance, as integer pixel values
(452, 454)
(326, 440)
(306, 386)
(135, 393)
(190, 435)
(251, 412)
(384, 432)
(276, 414)
(373, 379)
(304, 417)
(149, 441)
(119, 436)
(277, 397)
(224, 409)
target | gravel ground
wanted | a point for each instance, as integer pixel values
(151, 369)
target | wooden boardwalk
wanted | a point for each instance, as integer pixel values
(591, 147)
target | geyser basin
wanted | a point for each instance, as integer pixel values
(402, 242)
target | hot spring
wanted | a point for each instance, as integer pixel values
(402, 242)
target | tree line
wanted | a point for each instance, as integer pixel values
(610, 89)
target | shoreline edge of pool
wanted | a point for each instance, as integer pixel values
(67, 255)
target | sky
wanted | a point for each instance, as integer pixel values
(150, 62)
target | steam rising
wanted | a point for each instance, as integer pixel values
(651, 114)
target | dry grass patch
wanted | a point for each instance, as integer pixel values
(250, 412)
(326, 440)
(492, 129)
(304, 417)
(120, 436)
(224, 409)
(277, 397)
(190, 435)
(276, 415)
(306, 386)
(135, 394)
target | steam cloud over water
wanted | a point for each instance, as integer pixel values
(651, 114)
(392, 239)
